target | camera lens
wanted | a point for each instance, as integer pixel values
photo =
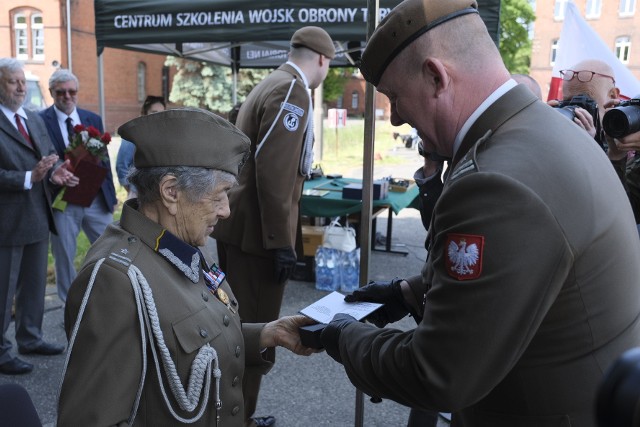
(621, 121)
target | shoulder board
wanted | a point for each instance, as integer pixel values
(123, 253)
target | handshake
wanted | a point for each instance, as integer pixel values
(387, 293)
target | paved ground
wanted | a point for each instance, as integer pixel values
(311, 391)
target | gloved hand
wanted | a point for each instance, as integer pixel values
(330, 336)
(387, 293)
(284, 262)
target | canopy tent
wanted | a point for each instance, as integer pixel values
(240, 33)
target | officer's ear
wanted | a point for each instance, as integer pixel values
(169, 193)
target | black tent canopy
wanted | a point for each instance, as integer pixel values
(240, 33)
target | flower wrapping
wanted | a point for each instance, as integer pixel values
(86, 151)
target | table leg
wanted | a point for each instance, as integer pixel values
(388, 244)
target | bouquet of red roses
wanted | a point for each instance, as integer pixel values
(87, 141)
(86, 151)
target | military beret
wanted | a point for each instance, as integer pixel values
(316, 39)
(186, 137)
(404, 24)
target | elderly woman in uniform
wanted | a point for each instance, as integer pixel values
(154, 333)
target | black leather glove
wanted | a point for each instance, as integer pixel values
(284, 262)
(330, 336)
(387, 293)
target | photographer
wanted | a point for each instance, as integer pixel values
(595, 79)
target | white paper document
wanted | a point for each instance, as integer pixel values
(323, 310)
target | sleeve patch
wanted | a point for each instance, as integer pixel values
(464, 256)
(291, 122)
(293, 108)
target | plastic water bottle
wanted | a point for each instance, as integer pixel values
(327, 270)
(350, 270)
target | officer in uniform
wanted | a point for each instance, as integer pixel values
(530, 290)
(261, 231)
(155, 338)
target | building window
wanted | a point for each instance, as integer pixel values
(37, 37)
(627, 7)
(21, 38)
(554, 52)
(142, 81)
(27, 26)
(594, 8)
(339, 102)
(559, 8)
(623, 48)
(354, 100)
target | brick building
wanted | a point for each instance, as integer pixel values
(353, 99)
(615, 21)
(35, 31)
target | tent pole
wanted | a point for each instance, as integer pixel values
(68, 17)
(318, 117)
(235, 66)
(101, 89)
(367, 184)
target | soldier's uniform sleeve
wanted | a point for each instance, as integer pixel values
(278, 161)
(102, 379)
(474, 330)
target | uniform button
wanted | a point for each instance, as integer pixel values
(132, 239)
(204, 333)
(234, 302)
(205, 296)
(235, 410)
(225, 320)
(235, 381)
(238, 349)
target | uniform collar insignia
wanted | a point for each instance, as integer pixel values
(184, 257)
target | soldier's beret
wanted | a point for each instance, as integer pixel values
(186, 137)
(404, 24)
(316, 39)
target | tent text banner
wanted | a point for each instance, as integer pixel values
(209, 30)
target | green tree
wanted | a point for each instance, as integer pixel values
(516, 17)
(209, 86)
(333, 86)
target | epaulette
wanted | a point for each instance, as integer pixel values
(122, 254)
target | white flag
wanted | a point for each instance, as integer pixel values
(579, 42)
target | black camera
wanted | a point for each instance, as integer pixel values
(568, 107)
(622, 120)
(619, 392)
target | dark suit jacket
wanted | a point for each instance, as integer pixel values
(26, 214)
(88, 118)
(521, 336)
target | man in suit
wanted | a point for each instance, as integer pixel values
(28, 166)
(261, 231)
(530, 290)
(60, 119)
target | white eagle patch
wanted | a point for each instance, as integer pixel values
(464, 256)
